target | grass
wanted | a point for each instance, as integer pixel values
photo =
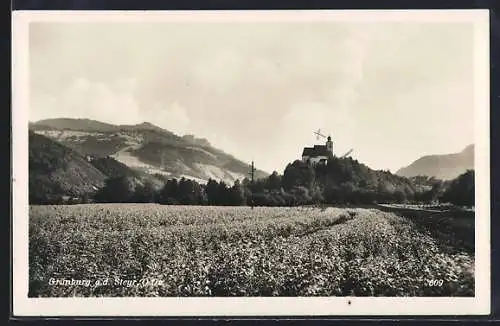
(237, 251)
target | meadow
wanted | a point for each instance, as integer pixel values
(117, 250)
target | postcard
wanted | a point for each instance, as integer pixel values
(251, 163)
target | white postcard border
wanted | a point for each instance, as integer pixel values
(300, 306)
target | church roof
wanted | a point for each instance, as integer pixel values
(317, 150)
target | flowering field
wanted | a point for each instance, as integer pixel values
(153, 250)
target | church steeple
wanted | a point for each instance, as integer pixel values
(329, 144)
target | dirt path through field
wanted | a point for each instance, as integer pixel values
(453, 230)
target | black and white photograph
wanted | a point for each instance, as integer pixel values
(232, 156)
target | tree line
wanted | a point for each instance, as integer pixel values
(341, 181)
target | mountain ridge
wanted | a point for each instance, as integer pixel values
(441, 166)
(146, 147)
(84, 124)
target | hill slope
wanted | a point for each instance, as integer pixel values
(55, 170)
(146, 148)
(444, 167)
(112, 168)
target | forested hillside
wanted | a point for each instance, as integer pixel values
(146, 148)
(342, 181)
(56, 171)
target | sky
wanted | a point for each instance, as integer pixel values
(391, 91)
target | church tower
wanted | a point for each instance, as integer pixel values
(329, 145)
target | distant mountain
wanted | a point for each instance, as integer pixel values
(146, 148)
(87, 125)
(444, 167)
(72, 124)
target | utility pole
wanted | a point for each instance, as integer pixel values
(162, 160)
(251, 173)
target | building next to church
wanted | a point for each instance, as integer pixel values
(319, 154)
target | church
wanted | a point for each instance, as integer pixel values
(319, 154)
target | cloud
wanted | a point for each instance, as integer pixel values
(114, 102)
(260, 90)
(107, 101)
(219, 71)
(83, 98)
(172, 117)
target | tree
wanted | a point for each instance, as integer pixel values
(41, 191)
(117, 190)
(433, 194)
(273, 181)
(279, 197)
(212, 190)
(384, 193)
(199, 194)
(169, 193)
(145, 193)
(316, 193)
(237, 194)
(223, 193)
(298, 174)
(301, 195)
(185, 193)
(348, 190)
(399, 196)
(461, 190)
